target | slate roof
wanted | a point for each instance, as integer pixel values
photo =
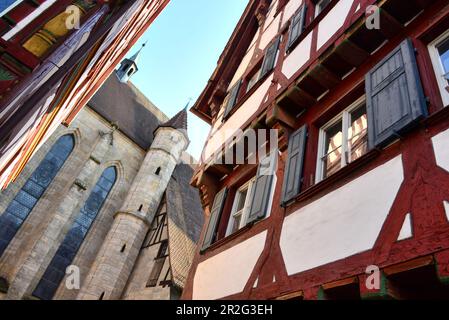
(179, 121)
(185, 221)
(136, 116)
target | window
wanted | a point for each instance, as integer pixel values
(439, 52)
(25, 200)
(320, 6)
(252, 203)
(297, 25)
(240, 209)
(231, 99)
(69, 247)
(253, 80)
(343, 140)
(159, 262)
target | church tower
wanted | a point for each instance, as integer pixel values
(113, 266)
(128, 67)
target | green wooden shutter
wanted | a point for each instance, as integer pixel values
(262, 189)
(297, 27)
(394, 95)
(233, 95)
(294, 166)
(217, 209)
(270, 57)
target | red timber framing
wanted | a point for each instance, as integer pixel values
(76, 80)
(300, 101)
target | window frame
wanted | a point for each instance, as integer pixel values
(244, 212)
(438, 67)
(317, 6)
(344, 117)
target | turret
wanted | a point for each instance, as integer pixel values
(129, 67)
(112, 268)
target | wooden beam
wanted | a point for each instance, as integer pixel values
(408, 265)
(324, 76)
(292, 295)
(351, 53)
(340, 283)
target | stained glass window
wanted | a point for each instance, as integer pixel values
(21, 206)
(74, 238)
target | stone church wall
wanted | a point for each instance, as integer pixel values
(127, 157)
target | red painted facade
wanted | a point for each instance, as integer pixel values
(39, 92)
(312, 97)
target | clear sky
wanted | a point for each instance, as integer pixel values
(184, 44)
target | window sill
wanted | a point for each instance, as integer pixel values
(337, 176)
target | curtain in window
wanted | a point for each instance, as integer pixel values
(21, 206)
(72, 242)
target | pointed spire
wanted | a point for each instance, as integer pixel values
(179, 121)
(129, 67)
(135, 58)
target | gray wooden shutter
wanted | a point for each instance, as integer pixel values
(297, 27)
(270, 57)
(294, 166)
(217, 209)
(233, 94)
(394, 95)
(262, 189)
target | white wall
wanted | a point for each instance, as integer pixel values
(342, 223)
(228, 272)
(441, 148)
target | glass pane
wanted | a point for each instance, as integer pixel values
(253, 81)
(358, 133)
(33, 188)
(236, 223)
(26, 199)
(242, 198)
(73, 240)
(36, 185)
(443, 50)
(333, 149)
(321, 6)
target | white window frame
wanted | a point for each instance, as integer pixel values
(245, 211)
(438, 66)
(345, 118)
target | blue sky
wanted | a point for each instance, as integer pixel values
(184, 44)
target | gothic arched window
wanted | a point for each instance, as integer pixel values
(69, 247)
(23, 203)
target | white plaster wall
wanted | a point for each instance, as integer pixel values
(270, 32)
(228, 272)
(333, 21)
(271, 13)
(441, 148)
(237, 120)
(298, 57)
(242, 67)
(344, 222)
